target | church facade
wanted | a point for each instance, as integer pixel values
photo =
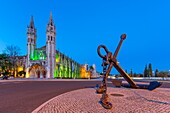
(47, 62)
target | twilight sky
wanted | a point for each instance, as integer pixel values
(82, 25)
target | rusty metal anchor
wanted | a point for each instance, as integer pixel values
(108, 62)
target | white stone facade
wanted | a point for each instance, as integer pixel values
(41, 59)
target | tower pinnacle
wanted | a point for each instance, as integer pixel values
(50, 25)
(31, 27)
(32, 22)
(51, 22)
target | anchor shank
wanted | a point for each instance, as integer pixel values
(125, 76)
(109, 69)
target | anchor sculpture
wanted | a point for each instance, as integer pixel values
(108, 62)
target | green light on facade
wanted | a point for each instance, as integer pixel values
(38, 55)
(57, 58)
(55, 73)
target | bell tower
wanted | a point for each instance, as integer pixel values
(31, 41)
(51, 47)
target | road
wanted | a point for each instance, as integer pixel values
(25, 96)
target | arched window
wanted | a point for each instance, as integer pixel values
(41, 55)
(31, 40)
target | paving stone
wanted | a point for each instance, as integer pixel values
(130, 101)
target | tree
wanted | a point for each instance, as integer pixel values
(150, 70)
(146, 71)
(131, 73)
(135, 75)
(5, 64)
(169, 74)
(140, 75)
(156, 73)
(12, 51)
(163, 74)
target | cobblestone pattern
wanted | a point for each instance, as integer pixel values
(132, 101)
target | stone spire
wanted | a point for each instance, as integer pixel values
(50, 25)
(32, 22)
(51, 22)
(31, 27)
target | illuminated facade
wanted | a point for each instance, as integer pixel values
(47, 62)
(85, 72)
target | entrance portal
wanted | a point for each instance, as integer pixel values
(37, 71)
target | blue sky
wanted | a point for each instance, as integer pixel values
(82, 25)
